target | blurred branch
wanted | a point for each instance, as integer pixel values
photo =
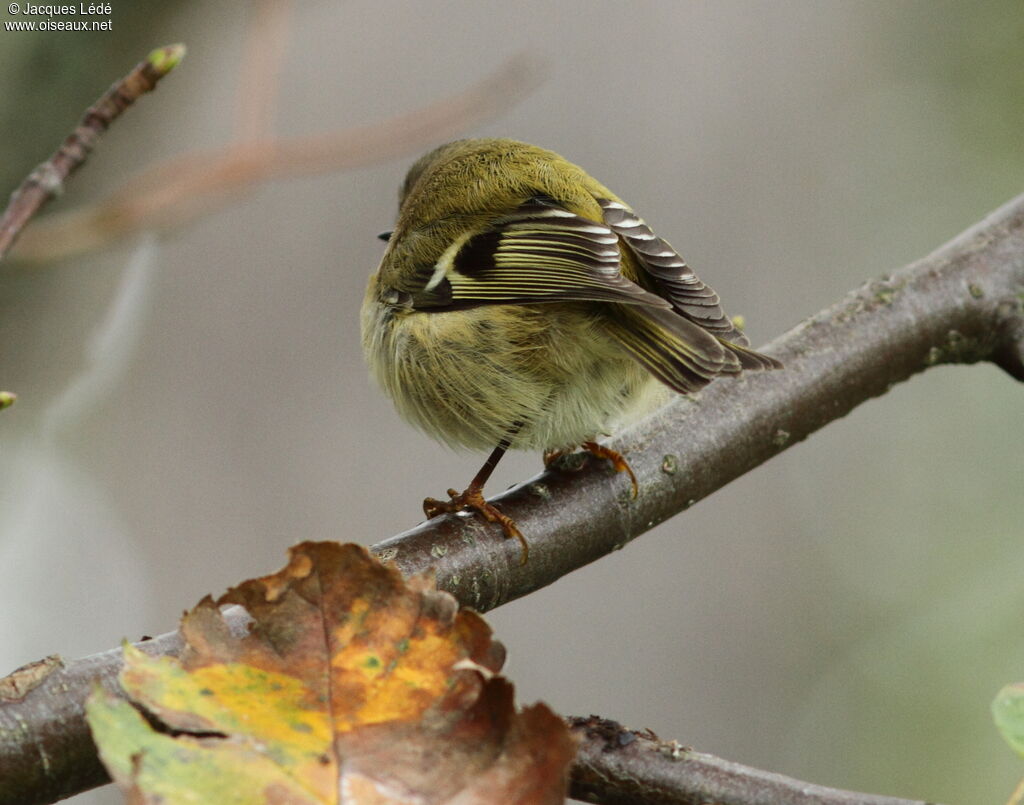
(47, 180)
(963, 303)
(617, 766)
(178, 190)
(261, 69)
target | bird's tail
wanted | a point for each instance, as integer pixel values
(681, 354)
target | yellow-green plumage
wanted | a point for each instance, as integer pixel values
(515, 292)
(466, 377)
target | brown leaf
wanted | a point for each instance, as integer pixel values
(351, 685)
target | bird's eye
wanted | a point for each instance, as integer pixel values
(385, 236)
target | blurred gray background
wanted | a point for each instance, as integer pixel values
(192, 403)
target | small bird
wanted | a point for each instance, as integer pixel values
(520, 303)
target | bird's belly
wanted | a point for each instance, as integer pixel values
(469, 377)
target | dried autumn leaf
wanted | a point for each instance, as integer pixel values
(350, 686)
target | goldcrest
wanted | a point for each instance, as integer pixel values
(521, 304)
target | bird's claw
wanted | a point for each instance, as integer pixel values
(616, 458)
(473, 500)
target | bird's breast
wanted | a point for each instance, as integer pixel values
(467, 376)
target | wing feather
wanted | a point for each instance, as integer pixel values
(543, 252)
(680, 285)
(678, 352)
(539, 253)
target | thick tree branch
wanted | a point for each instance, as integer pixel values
(961, 304)
(46, 751)
(618, 766)
(47, 180)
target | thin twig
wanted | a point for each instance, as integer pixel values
(47, 180)
(961, 304)
(618, 766)
(178, 190)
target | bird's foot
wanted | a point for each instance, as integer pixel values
(473, 500)
(616, 458)
(551, 456)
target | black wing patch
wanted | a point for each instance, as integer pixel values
(684, 289)
(542, 252)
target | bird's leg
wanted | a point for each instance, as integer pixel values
(616, 458)
(472, 498)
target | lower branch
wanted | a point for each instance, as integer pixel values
(617, 766)
(46, 750)
(961, 304)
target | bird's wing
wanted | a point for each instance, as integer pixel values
(541, 252)
(670, 273)
(675, 281)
